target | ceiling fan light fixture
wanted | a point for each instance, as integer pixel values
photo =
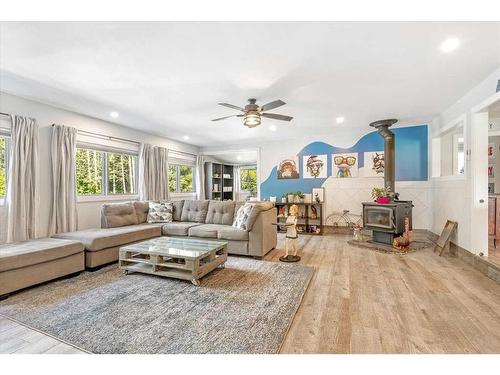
(251, 119)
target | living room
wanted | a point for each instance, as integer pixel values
(325, 190)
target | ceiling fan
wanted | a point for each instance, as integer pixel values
(252, 112)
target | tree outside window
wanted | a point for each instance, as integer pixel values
(105, 173)
(248, 180)
(172, 178)
(181, 178)
(89, 168)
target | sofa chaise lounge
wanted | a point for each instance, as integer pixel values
(32, 262)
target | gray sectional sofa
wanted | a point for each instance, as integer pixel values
(125, 223)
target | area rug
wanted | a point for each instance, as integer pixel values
(246, 307)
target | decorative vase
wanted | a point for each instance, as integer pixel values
(290, 198)
(383, 200)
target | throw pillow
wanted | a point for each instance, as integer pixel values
(242, 215)
(160, 212)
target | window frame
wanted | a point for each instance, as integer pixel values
(7, 137)
(105, 195)
(178, 191)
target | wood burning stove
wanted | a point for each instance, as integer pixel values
(387, 221)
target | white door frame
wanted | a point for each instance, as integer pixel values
(479, 175)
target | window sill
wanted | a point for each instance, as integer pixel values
(106, 198)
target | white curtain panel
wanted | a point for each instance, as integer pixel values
(63, 215)
(236, 183)
(22, 179)
(200, 177)
(153, 173)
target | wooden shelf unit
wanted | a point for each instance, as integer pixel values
(304, 222)
(215, 182)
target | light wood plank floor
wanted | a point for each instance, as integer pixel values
(361, 301)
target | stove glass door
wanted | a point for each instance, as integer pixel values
(379, 217)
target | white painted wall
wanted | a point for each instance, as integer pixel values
(46, 115)
(453, 197)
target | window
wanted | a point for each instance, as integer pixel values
(248, 180)
(3, 167)
(89, 168)
(105, 173)
(121, 174)
(181, 178)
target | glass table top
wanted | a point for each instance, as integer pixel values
(180, 247)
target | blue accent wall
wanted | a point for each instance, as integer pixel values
(411, 160)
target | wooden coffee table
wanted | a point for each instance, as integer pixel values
(179, 258)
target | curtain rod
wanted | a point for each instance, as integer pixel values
(127, 140)
(111, 138)
(182, 152)
(4, 114)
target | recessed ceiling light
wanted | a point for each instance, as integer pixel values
(272, 128)
(186, 137)
(449, 45)
(339, 120)
(238, 157)
(114, 114)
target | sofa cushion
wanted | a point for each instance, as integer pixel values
(98, 239)
(160, 212)
(220, 212)
(27, 253)
(118, 215)
(178, 205)
(237, 206)
(258, 207)
(205, 230)
(231, 233)
(141, 211)
(194, 211)
(240, 222)
(177, 228)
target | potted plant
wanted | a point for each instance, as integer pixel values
(290, 197)
(382, 195)
(298, 197)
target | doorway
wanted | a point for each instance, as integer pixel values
(239, 179)
(494, 183)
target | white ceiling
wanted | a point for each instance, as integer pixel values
(167, 78)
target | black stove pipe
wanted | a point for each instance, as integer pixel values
(389, 151)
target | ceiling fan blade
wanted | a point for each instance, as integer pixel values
(272, 105)
(232, 106)
(277, 117)
(223, 118)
